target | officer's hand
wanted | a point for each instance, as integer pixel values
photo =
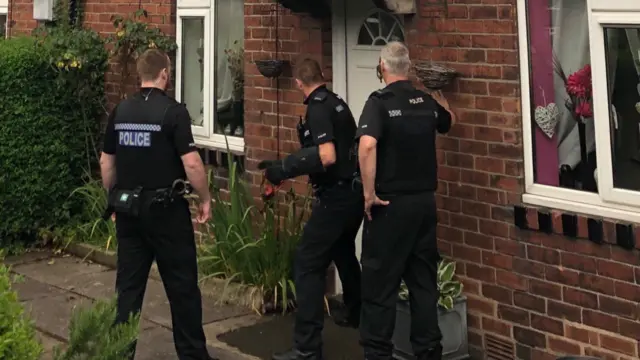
(264, 164)
(275, 175)
(204, 212)
(440, 99)
(371, 201)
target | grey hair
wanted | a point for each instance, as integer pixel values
(395, 56)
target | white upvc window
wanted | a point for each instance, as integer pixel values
(4, 17)
(209, 70)
(581, 133)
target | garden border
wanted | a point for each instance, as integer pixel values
(212, 288)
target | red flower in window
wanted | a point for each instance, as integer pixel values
(578, 87)
(578, 84)
(583, 108)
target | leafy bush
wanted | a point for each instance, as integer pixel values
(92, 334)
(52, 91)
(17, 333)
(247, 246)
(87, 226)
(449, 288)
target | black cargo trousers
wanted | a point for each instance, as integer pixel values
(399, 243)
(163, 234)
(329, 235)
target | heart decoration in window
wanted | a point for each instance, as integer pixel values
(547, 118)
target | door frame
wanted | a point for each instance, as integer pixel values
(339, 66)
(339, 48)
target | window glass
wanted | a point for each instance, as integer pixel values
(561, 105)
(623, 79)
(192, 81)
(380, 28)
(3, 25)
(229, 68)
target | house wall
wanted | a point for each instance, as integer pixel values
(97, 15)
(531, 294)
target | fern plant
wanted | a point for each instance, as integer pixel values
(449, 288)
(17, 332)
(93, 335)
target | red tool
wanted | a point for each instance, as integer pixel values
(268, 189)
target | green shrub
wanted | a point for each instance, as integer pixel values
(246, 245)
(93, 336)
(449, 289)
(17, 333)
(52, 91)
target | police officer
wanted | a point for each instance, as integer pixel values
(397, 155)
(328, 157)
(148, 147)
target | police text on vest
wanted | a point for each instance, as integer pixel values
(135, 138)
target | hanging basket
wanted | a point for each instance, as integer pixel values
(434, 76)
(271, 68)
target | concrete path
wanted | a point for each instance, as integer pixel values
(53, 285)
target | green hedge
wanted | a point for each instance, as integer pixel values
(43, 136)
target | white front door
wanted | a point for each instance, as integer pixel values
(360, 30)
(367, 30)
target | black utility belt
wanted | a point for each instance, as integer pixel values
(352, 183)
(124, 201)
(130, 202)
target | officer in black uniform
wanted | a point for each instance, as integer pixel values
(148, 154)
(328, 157)
(397, 155)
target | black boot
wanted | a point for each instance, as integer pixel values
(343, 317)
(294, 354)
(434, 353)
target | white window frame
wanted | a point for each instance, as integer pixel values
(205, 135)
(609, 202)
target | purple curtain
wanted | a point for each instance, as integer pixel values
(542, 73)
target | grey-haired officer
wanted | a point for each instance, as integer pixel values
(149, 148)
(328, 157)
(397, 155)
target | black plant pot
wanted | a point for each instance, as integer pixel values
(271, 68)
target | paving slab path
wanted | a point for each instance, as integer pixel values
(53, 285)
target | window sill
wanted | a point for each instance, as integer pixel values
(219, 142)
(578, 202)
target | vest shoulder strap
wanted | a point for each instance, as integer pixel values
(382, 94)
(320, 97)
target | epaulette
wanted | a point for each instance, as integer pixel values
(382, 94)
(320, 97)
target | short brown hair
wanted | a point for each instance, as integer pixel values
(150, 63)
(308, 71)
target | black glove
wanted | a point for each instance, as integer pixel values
(267, 164)
(276, 175)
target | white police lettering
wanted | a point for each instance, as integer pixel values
(135, 138)
(395, 113)
(322, 135)
(339, 108)
(416, 101)
(306, 133)
(364, 126)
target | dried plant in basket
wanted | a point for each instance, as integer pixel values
(434, 76)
